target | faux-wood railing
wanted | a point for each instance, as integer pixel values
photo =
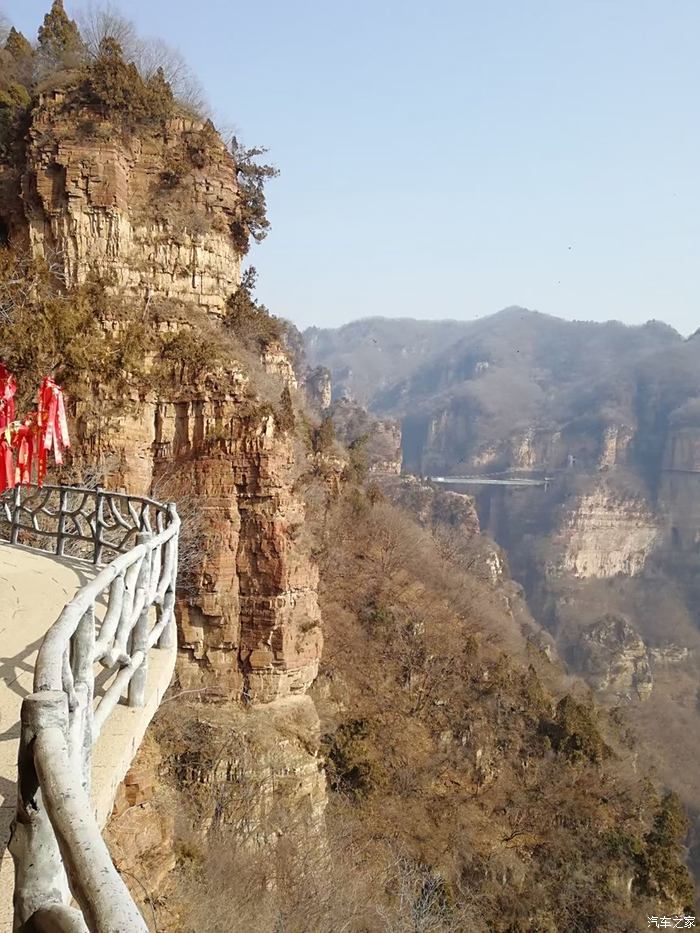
(56, 843)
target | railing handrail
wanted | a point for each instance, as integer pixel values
(56, 842)
(70, 487)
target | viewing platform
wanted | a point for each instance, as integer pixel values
(115, 628)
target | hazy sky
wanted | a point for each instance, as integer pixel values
(447, 159)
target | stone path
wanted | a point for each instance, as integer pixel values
(34, 587)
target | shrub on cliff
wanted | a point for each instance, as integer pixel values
(249, 320)
(16, 77)
(473, 761)
(251, 177)
(661, 872)
(46, 330)
(115, 87)
(103, 21)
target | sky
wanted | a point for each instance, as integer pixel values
(448, 159)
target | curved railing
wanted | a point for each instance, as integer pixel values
(107, 629)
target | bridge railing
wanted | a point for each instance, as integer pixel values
(96, 652)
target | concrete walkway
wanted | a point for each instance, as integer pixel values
(34, 587)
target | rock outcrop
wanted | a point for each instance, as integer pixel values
(318, 388)
(149, 216)
(614, 659)
(150, 211)
(380, 440)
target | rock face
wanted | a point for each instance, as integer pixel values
(151, 214)
(614, 659)
(606, 534)
(102, 202)
(433, 506)
(679, 491)
(227, 790)
(252, 624)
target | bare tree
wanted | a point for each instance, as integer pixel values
(100, 21)
(5, 26)
(23, 279)
(104, 21)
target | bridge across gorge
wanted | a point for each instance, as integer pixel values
(492, 480)
(79, 684)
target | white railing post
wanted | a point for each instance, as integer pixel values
(139, 634)
(99, 522)
(40, 878)
(82, 661)
(168, 636)
(60, 540)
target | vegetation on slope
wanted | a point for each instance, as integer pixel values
(472, 786)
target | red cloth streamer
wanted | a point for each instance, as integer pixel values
(7, 468)
(42, 432)
(8, 387)
(24, 443)
(52, 425)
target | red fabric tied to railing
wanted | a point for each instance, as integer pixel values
(8, 387)
(24, 442)
(25, 445)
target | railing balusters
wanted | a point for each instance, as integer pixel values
(99, 522)
(112, 617)
(16, 505)
(82, 660)
(156, 569)
(60, 540)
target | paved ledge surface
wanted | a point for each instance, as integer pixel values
(34, 588)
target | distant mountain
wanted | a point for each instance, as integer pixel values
(461, 387)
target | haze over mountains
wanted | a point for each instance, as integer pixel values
(462, 387)
(609, 555)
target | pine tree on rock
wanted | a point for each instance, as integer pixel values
(59, 39)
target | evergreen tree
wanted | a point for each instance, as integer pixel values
(18, 46)
(325, 436)
(59, 39)
(285, 413)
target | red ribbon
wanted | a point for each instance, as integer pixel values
(43, 432)
(52, 424)
(7, 469)
(8, 387)
(24, 443)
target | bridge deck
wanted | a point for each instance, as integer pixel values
(489, 481)
(34, 587)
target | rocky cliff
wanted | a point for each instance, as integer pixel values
(140, 226)
(92, 200)
(151, 211)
